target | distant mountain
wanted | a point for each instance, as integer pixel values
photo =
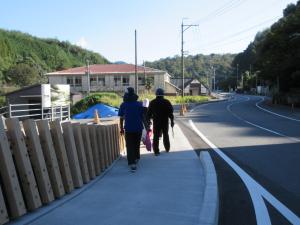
(120, 62)
(41, 55)
(198, 66)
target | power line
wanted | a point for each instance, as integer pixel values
(242, 31)
(221, 11)
(227, 43)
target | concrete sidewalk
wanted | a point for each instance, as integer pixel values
(166, 189)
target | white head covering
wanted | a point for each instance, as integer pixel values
(146, 103)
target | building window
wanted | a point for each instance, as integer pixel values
(125, 80)
(78, 82)
(141, 81)
(70, 81)
(117, 81)
(101, 81)
(93, 81)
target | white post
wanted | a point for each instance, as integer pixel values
(52, 112)
(69, 116)
(42, 111)
(9, 110)
(61, 116)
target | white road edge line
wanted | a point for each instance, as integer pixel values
(257, 192)
(276, 114)
(232, 98)
(260, 127)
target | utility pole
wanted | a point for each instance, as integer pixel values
(214, 77)
(136, 75)
(144, 73)
(184, 27)
(256, 78)
(88, 77)
(237, 75)
(208, 85)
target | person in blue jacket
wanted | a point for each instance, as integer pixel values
(131, 111)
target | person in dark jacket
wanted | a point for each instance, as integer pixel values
(160, 111)
(132, 112)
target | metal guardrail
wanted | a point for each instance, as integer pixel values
(36, 111)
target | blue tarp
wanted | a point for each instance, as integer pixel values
(103, 111)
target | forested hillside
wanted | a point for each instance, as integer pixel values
(274, 55)
(24, 58)
(197, 66)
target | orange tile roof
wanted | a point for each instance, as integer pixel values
(106, 69)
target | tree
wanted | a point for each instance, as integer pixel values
(43, 55)
(23, 75)
(149, 83)
(275, 52)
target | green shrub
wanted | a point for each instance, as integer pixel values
(115, 100)
(107, 98)
(2, 101)
(190, 99)
(178, 99)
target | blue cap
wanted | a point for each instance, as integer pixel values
(160, 92)
(129, 90)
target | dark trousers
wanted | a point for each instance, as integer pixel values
(157, 131)
(133, 141)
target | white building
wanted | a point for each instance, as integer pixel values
(112, 77)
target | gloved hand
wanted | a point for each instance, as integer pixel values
(172, 123)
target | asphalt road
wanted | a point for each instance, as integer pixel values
(257, 157)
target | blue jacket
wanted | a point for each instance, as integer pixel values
(132, 112)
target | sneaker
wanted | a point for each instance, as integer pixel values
(133, 168)
(157, 154)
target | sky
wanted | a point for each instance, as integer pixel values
(107, 26)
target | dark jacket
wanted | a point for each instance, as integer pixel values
(160, 110)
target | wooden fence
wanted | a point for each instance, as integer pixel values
(42, 161)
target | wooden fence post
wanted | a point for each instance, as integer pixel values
(118, 140)
(9, 177)
(81, 152)
(28, 182)
(106, 145)
(115, 141)
(38, 161)
(102, 142)
(99, 131)
(61, 153)
(111, 148)
(88, 150)
(72, 154)
(50, 157)
(95, 148)
(3, 211)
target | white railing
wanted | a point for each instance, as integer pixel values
(36, 111)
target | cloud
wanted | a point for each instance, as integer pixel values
(82, 42)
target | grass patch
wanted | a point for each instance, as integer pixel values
(107, 98)
(115, 100)
(2, 101)
(178, 99)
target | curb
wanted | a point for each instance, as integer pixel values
(209, 214)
